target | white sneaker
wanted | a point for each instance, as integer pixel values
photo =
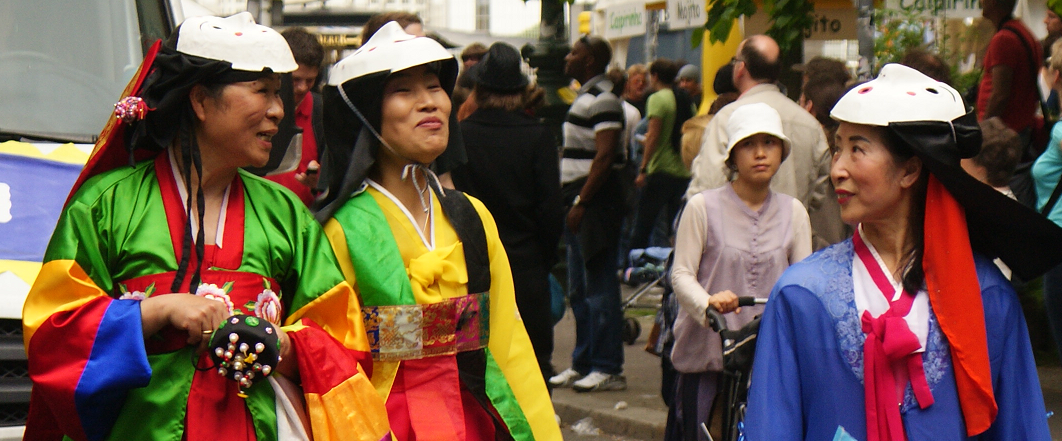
(598, 381)
(565, 379)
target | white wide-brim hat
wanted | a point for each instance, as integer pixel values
(899, 94)
(238, 40)
(931, 119)
(754, 118)
(352, 103)
(390, 50)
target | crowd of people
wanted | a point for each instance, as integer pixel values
(406, 275)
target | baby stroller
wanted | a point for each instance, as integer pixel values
(648, 269)
(739, 347)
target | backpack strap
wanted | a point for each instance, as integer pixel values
(317, 122)
(1043, 109)
(1032, 64)
(1054, 198)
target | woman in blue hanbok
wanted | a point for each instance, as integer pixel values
(906, 331)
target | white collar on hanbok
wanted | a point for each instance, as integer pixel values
(429, 244)
(869, 298)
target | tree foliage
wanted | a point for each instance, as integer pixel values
(789, 19)
(896, 32)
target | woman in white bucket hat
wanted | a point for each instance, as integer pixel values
(732, 241)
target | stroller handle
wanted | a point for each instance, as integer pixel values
(716, 320)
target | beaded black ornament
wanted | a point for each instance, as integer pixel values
(245, 349)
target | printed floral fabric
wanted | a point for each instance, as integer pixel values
(406, 332)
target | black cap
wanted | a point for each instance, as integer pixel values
(499, 70)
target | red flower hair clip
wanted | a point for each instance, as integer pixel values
(131, 108)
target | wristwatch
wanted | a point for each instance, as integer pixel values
(577, 200)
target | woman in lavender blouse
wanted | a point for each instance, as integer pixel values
(735, 240)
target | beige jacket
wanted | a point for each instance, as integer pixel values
(692, 137)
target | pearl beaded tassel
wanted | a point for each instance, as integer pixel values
(239, 361)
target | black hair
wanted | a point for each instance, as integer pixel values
(600, 50)
(914, 275)
(760, 68)
(172, 121)
(304, 46)
(1000, 153)
(190, 158)
(930, 64)
(665, 71)
(378, 21)
(826, 69)
(618, 77)
(724, 80)
(823, 94)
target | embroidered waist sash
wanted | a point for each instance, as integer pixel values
(408, 332)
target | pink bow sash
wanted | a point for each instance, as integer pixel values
(887, 354)
(888, 358)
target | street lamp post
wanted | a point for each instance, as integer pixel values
(547, 57)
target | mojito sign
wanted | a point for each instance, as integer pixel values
(938, 8)
(625, 21)
(685, 14)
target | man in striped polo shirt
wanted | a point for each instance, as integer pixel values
(594, 189)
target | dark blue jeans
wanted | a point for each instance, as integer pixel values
(661, 191)
(594, 295)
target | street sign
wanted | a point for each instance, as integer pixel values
(828, 24)
(938, 8)
(625, 20)
(685, 14)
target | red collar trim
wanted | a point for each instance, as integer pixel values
(230, 256)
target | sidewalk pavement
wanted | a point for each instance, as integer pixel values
(636, 413)
(639, 413)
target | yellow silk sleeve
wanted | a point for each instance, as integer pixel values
(338, 312)
(509, 343)
(61, 285)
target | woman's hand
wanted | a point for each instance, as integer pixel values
(724, 302)
(640, 180)
(288, 365)
(309, 178)
(197, 316)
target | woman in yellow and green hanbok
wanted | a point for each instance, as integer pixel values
(451, 356)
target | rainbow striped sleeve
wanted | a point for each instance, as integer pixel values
(329, 339)
(85, 348)
(340, 399)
